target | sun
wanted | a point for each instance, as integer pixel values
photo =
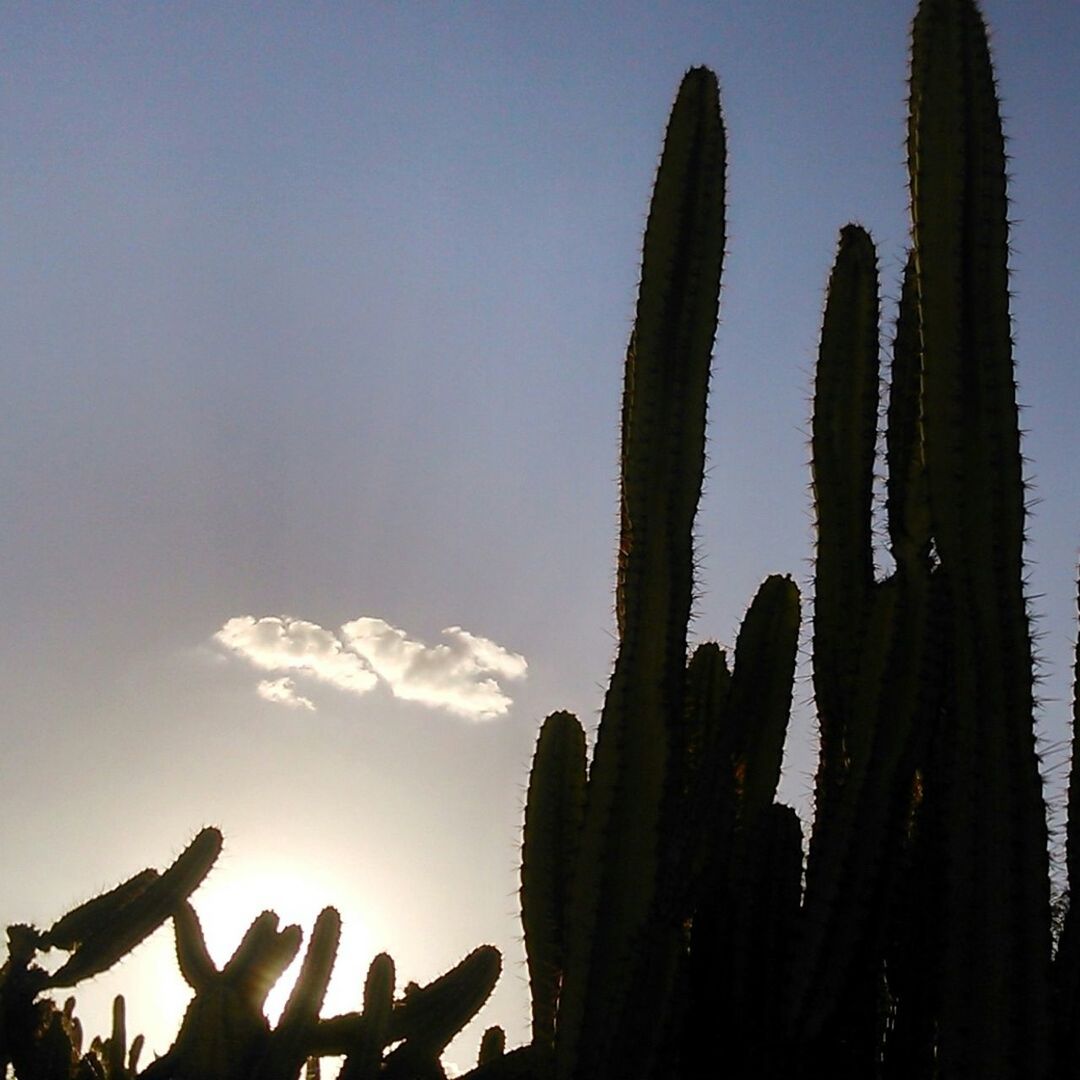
(241, 888)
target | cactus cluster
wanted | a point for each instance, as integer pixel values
(224, 1034)
(669, 914)
(666, 906)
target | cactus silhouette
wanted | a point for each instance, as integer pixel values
(687, 759)
(39, 1040)
(224, 1034)
(920, 945)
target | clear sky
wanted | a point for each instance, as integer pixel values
(312, 322)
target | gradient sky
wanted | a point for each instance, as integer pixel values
(315, 314)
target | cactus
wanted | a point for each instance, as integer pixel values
(996, 895)
(871, 666)
(36, 1038)
(553, 817)
(117, 1060)
(1066, 984)
(957, 714)
(614, 926)
(687, 757)
(225, 1034)
(132, 913)
(922, 945)
(365, 1045)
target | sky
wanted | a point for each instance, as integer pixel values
(312, 323)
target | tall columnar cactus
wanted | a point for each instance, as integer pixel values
(614, 925)
(687, 760)
(993, 821)
(927, 687)
(872, 667)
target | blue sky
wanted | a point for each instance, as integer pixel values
(317, 313)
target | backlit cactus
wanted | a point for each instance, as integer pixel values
(681, 759)
(920, 946)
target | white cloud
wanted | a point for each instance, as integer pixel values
(461, 676)
(275, 644)
(450, 676)
(283, 691)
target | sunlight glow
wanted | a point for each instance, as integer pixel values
(235, 894)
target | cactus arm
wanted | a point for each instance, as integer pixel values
(96, 915)
(667, 365)
(667, 371)
(492, 1046)
(959, 206)
(309, 991)
(143, 913)
(842, 443)
(365, 1052)
(996, 905)
(135, 1053)
(192, 955)
(869, 667)
(708, 810)
(906, 501)
(553, 812)
(530, 1062)
(260, 958)
(290, 1042)
(116, 1047)
(430, 1016)
(761, 688)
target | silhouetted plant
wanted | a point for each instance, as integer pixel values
(41, 1041)
(225, 1034)
(671, 924)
